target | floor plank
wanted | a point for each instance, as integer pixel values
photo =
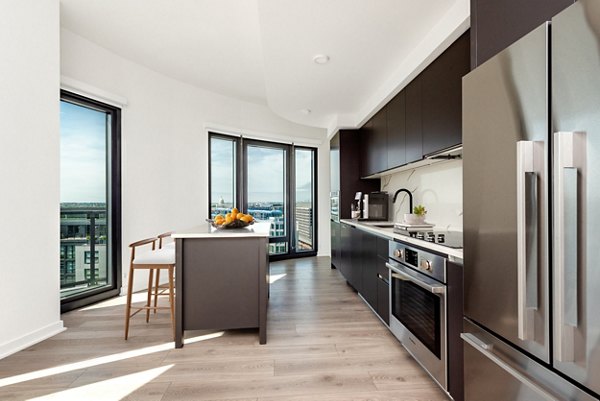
(324, 344)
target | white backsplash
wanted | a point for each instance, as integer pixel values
(438, 187)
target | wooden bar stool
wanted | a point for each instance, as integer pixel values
(162, 289)
(154, 260)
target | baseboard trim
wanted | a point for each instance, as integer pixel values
(30, 339)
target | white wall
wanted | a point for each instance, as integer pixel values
(164, 140)
(324, 208)
(438, 187)
(29, 173)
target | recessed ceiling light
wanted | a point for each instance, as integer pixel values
(321, 59)
(306, 111)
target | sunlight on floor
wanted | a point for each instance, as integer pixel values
(122, 300)
(274, 277)
(8, 381)
(111, 389)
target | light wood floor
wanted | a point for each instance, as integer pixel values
(324, 344)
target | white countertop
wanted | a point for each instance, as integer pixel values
(206, 230)
(389, 233)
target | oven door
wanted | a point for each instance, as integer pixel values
(418, 318)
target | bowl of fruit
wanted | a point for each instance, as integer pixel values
(233, 219)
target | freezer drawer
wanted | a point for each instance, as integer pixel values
(494, 371)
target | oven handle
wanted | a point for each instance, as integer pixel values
(434, 289)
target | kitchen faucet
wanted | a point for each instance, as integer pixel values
(410, 198)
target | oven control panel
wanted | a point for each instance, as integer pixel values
(411, 257)
(425, 262)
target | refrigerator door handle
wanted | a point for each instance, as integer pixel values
(487, 351)
(569, 152)
(529, 157)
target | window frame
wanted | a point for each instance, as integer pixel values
(241, 188)
(237, 169)
(114, 212)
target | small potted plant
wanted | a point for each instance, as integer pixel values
(417, 216)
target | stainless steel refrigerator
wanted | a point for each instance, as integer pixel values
(531, 137)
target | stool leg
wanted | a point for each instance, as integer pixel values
(156, 288)
(172, 299)
(128, 307)
(149, 300)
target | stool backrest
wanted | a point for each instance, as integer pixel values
(162, 236)
(140, 243)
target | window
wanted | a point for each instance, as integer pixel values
(271, 181)
(223, 174)
(87, 257)
(89, 201)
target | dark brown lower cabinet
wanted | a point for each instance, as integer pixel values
(455, 327)
(356, 249)
(383, 300)
(345, 258)
(336, 252)
(362, 263)
(369, 269)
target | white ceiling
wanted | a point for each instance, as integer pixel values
(262, 50)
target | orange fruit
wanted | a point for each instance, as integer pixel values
(228, 215)
(234, 210)
(228, 219)
(246, 218)
(239, 216)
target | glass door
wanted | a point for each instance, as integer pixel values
(266, 190)
(304, 195)
(273, 182)
(89, 201)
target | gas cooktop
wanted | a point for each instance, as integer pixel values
(451, 239)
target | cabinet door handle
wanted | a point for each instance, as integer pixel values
(384, 279)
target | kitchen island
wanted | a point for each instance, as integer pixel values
(222, 279)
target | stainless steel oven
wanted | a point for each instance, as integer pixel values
(418, 315)
(334, 204)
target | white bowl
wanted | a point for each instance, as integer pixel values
(411, 218)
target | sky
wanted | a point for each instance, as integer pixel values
(83, 163)
(266, 175)
(82, 154)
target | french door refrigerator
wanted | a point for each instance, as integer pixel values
(531, 137)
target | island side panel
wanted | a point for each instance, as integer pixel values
(220, 289)
(178, 290)
(264, 280)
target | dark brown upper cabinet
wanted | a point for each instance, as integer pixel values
(396, 131)
(495, 24)
(345, 161)
(424, 118)
(441, 97)
(414, 128)
(334, 163)
(374, 140)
